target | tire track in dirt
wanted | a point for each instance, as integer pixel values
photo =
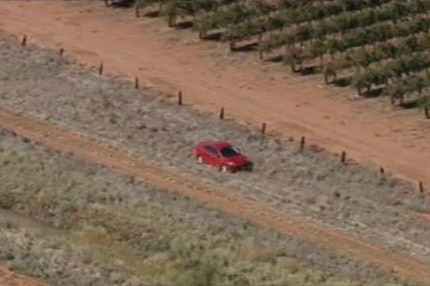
(221, 199)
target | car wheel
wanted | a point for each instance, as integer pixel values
(200, 159)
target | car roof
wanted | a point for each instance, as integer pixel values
(219, 145)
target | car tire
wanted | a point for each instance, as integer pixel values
(200, 159)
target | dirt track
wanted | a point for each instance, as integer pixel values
(221, 199)
(368, 130)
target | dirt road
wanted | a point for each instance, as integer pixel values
(251, 92)
(221, 199)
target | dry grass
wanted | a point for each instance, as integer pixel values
(105, 229)
(53, 258)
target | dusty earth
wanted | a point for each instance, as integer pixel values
(362, 203)
(369, 130)
(8, 278)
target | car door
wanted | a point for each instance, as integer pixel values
(211, 156)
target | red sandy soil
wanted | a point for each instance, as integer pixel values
(369, 130)
(221, 199)
(8, 278)
(425, 216)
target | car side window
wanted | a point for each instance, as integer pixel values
(211, 150)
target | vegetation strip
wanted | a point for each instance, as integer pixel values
(221, 199)
(319, 36)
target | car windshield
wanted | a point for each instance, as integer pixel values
(229, 152)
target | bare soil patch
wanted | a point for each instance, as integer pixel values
(9, 278)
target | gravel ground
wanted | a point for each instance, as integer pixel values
(102, 228)
(312, 184)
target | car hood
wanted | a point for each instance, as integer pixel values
(238, 160)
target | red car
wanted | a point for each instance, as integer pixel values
(223, 156)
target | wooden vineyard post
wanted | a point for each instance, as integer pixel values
(136, 82)
(343, 157)
(421, 187)
(302, 143)
(222, 113)
(263, 128)
(101, 68)
(180, 98)
(24, 41)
